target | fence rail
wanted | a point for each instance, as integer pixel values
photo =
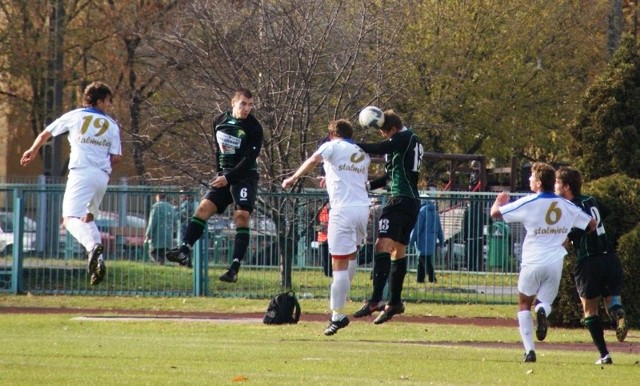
(478, 262)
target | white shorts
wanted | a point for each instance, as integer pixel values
(541, 281)
(84, 192)
(347, 229)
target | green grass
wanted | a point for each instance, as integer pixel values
(58, 349)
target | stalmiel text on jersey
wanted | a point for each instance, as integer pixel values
(550, 231)
(94, 141)
(352, 168)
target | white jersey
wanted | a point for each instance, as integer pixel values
(346, 169)
(548, 218)
(93, 136)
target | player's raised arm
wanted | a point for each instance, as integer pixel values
(30, 154)
(501, 199)
(305, 168)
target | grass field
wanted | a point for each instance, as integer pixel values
(60, 349)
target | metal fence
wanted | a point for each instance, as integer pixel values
(478, 262)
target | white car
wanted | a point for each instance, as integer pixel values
(6, 236)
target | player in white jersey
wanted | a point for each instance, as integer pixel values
(548, 218)
(346, 169)
(95, 147)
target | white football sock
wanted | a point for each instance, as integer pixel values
(339, 289)
(95, 232)
(81, 231)
(353, 264)
(525, 321)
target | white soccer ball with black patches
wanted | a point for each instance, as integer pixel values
(371, 117)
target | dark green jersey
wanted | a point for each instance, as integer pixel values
(403, 156)
(592, 243)
(238, 143)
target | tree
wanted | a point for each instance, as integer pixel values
(500, 78)
(605, 133)
(307, 62)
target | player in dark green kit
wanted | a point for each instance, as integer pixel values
(238, 138)
(403, 154)
(598, 271)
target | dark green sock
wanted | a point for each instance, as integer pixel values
(381, 267)
(240, 245)
(396, 280)
(594, 325)
(194, 231)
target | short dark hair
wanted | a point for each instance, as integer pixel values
(571, 177)
(391, 120)
(341, 128)
(242, 92)
(94, 92)
(546, 174)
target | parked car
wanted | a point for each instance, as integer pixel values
(263, 249)
(6, 236)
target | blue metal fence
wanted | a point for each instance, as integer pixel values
(477, 263)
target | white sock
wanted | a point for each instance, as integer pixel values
(81, 231)
(353, 264)
(525, 321)
(95, 232)
(339, 289)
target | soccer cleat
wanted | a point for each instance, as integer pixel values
(100, 273)
(529, 356)
(94, 255)
(230, 276)
(606, 360)
(388, 313)
(368, 308)
(180, 255)
(542, 324)
(335, 325)
(617, 316)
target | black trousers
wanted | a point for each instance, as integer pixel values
(425, 267)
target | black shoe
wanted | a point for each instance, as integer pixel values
(530, 356)
(368, 308)
(100, 273)
(94, 255)
(335, 325)
(180, 255)
(388, 313)
(230, 276)
(620, 324)
(542, 324)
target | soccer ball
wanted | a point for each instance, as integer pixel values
(371, 117)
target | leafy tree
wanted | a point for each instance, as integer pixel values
(605, 134)
(500, 77)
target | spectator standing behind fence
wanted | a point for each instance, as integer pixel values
(425, 235)
(160, 228)
(346, 168)
(186, 209)
(95, 148)
(472, 232)
(548, 219)
(237, 136)
(321, 238)
(598, 271)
